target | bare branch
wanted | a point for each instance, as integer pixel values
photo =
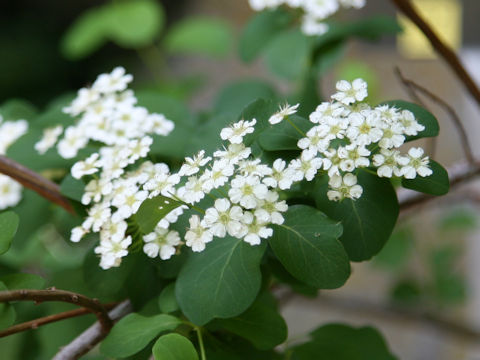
(35, 182)
(440, 47)
(92, 336)
(34, 324)
(60, 295)
(410, 84)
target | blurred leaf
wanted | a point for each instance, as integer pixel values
(261, 110)
(16, 109)
(406, 292)
(284, 136)
(435, 184)
(22, 281)
(133, 332)
(153, 210)
(167, 301)
(8, 227)
(307, 245)
(459, 219)
(225, 279)
(72, 188)
(200, 35)
(351, 69)
(7, 312)
(174, 347)
(329, 56)
(396, 251)
(260, 30)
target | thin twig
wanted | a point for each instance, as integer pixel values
(92, 336)
(34, 324)
(440, 47)
(35, 182)
(467, 149)
(60, 295)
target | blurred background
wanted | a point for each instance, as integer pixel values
(422, 290)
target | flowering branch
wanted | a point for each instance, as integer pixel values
(61, 295)
(92, 336)
(35, 182)
(34, 324)
(440, 47)
(410, 84)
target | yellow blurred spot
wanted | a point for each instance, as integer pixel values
(445, 17)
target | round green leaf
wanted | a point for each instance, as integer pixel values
(167, 301)
(307, 245)
(133, 332)
(72, 188)
(222, 281)
(200, 35)
(260, 30)
(153, 210)
(287, 56)
(435, 184)
(261, 324)
(22, 281)
(174, 347)
(8, 227)
(422, 115)
(367, 222)
(284, 136)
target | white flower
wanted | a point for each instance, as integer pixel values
(78, 232)
(112, 252)
(305, 167)
(139, 148)
(255, 231)
(128, 202)
(345, 187)
(10, 192)
(349, 93)
(193, 190)
(193, 165)
(270, 209)
(320, 9)
(161, 243)
(247, 190)
(416, 164)
(313, 26)
(162, 184)
(353, 3)
(254, 167)
(237, 131)
(98, 215)
(392, 136)
(95, 189)
(159, 124)
(316, 139)
(281, 177)
(327, 110)
(115, 231)
(234, 154)
(87, 167)
(73, 141)
(410, 124)
(389, 163)
(197, 234)
(356, 154)
(217, 176)
(364, 129)
(223, 219)
(117, 80)
(49, 138)
(284, 111)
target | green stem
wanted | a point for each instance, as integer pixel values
(200, 343)
(295, 127)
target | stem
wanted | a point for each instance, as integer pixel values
(200, 343)
(440, 47)
(295, 127)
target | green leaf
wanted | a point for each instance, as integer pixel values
(260, 30)
(174, 347)
(287, 55)
(284, 136)
(342, 342)
(261, 324)
(16, 109)
(7, 312)
(22, 281)
(367, 222)
(235, 96)
(397, 250)
(225, 279)
(133, 332)
(153, 210)
(261, 110)
(200, 35)
(307, 245)
(72, 188)
(329, 56)
(167, 301)
(422, 115)
(133, 24)
(435, 184)
(8, 227)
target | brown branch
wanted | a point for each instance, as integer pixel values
(92, 336)
(440, 47)
(60, 295)
(34, 324)
(35, 182)
(467, 149)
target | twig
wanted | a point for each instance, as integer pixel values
(440, 47)
(34, 324)
(92, 336)
(35, 182)
(467, 149)
(60, 295)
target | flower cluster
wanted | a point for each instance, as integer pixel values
(315, 11)
(10, 190)
(349, 134)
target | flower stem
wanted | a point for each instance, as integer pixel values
(295, 127)
(200, 343)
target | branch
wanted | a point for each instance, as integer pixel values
(410, 84)
(92, 336)
(440, 47)
(30, 179)
(34, 324)
(60, 295)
